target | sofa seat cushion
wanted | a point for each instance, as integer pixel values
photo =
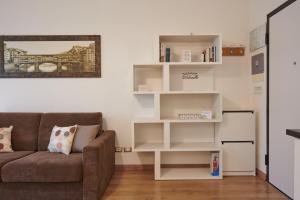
(44, 166)
(8, 157)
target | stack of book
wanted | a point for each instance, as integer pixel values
(209, 54)
(165, 53)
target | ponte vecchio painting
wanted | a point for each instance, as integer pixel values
(50, 56)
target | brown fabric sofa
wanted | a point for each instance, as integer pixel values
(32, 173)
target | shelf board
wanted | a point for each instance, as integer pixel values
(194, 146)
(191, 92)
(186, 173)
(177, 92)
(150, 120)
(144, 92)
(146, 147)
(146, 120)
(200, 64)
(155, 65)
(175, 120)
(188, 38)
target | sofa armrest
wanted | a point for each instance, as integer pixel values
(98, 165)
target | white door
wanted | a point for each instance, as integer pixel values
(284, 95)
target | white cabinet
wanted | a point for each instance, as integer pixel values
(239, 158)
(237, 136)
(237, 126)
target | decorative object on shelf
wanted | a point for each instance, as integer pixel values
(206, 115)
(194, 116)
(143, 88)
(202, 57)
(187, 56)
(190, 75)
(257, 38)
(41, 56)
(233, 51)
(214, 164)
(186, 116)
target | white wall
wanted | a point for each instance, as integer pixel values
(258, 10)
(128, 29)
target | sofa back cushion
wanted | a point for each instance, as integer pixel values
(49, 120)
(24, 136)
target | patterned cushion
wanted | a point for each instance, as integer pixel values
(61, 139)
(5, 139)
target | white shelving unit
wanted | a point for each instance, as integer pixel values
(162, 91)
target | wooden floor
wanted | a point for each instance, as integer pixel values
(139, 185)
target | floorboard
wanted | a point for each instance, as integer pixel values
(139, 185)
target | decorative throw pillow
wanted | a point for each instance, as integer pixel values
(84, 135)
(61, 139)
(5, 139)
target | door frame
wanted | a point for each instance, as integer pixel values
(271, 14)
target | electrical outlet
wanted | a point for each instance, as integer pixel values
(127, 149)
(118, 149)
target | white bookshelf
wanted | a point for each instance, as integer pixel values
(170, 89)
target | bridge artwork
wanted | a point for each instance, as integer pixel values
(73, 62)
(44, 56)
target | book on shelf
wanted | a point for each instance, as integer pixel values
(168, 54)
(163, 52)
(209, 54)
(212, 54)
(215, 55)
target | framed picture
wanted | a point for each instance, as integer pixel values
(50, 56)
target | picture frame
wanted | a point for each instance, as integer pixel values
(50, 56)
